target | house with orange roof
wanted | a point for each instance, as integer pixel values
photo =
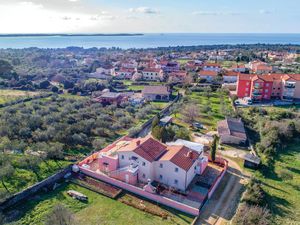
(140, 160)
(152, 74)
(212, 66)
(208, 75)
(230, 77)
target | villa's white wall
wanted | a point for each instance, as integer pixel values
(145, 171)
(169, 174)
(191, 173)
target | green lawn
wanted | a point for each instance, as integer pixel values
(11, 95)
(283, 195)
(98, 209)
(209, 119)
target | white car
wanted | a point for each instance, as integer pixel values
(237, 102)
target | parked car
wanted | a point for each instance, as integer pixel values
(198, 125)
(237, 102)
(248, 101)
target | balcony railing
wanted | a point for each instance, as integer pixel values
(290, 86)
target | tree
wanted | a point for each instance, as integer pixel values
(156, 132)
(98, 143)
(155, 121)
(213, 149)
(254, 194)
(44, 84)
(60, 215)
(249, 215)
(191, 112)
(6, 171)
(183, 133)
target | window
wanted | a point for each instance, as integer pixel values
(247, 89)
(144, 164)
(144, 176)
(266, 96)
(160, 177)
(175, 181)
(247, 83)
(267, 85)
(122, 157)
(176, 169)
(267, 90)
(195, 167)
(161, 165)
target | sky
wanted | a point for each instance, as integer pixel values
(149, 16)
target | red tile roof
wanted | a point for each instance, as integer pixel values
(208, 73)
(162, 90)
(148, 148)
(181, 156)
(269, 77)
(231, 73)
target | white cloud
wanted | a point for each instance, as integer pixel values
(215, 13)
(29, 17)
(264, 11)
(145, 10)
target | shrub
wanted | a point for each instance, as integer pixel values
(250, 215)
(254, 194)
(285, 174)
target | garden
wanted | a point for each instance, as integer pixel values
(98, 208)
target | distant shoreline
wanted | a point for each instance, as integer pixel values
(68, 35)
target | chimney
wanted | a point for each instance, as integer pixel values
(190, 154)
(138, 142)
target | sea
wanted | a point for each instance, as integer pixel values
(146, 40)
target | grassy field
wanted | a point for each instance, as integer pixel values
(283, 194)
(98, 209)
(11, 95)
(208, 119)
(280, 179)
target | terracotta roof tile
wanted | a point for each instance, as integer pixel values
(181, 156)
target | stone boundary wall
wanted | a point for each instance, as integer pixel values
(23, 195)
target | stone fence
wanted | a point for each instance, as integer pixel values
(23, 195)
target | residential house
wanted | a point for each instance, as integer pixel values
(232, 131)
(156, 93)
(177, 77)
(146, 159)
(240, 68)
(169, 67)
(208, 75)
(216, 67)
(259, 67)
(124, 73)
(230, 77)
(108, 98)
(152, 74)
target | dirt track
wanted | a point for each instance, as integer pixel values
(222, 206)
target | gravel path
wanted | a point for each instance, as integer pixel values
(222, 206)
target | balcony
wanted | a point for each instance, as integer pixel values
(290, 86)
(255, 93)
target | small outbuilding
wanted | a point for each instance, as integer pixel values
(251, 161)
(165, 120)
(232, 131)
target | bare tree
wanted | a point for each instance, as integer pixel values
(60, 215)
(191, 112)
